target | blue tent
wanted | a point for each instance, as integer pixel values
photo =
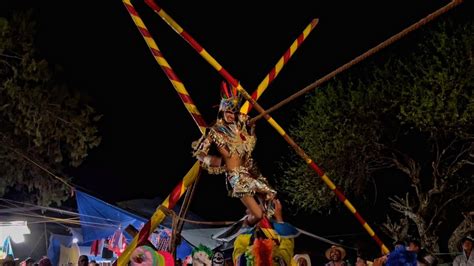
(100, 220)
(55, 242)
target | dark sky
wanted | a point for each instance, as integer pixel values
(146, 130)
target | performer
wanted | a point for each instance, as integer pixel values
(234, 139)
(253, 247)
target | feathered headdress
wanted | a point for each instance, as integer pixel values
(230, 98)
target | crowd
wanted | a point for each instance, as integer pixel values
(254, 247)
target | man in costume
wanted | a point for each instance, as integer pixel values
(266, 244)
(234, 139)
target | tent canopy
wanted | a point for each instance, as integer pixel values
(100, 219)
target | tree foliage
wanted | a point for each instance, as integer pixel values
(407, 115)
(44, 126)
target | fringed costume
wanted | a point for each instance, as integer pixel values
(236, 138)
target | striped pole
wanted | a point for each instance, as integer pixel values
(159, 215)
(175, 81)
(269, 119)
(182, 93)
(246, 107)
(313, 166)
(192, 174)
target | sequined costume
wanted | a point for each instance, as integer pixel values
(236, 138)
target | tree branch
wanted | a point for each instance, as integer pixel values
(11, 56)
(458, 164)
(403, 206)
(445, 204)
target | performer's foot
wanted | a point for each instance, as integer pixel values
(250, 221)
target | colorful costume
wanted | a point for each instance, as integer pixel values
(202, 256)
(147, 256)
(237, 138)
(253, 248)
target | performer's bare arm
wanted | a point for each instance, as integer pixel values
(203, 156)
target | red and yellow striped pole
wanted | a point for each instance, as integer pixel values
(270, 120)
(175, 81)
(192, 174)
(313, 166)
(159, 215)
(246, 107)
(175, 26)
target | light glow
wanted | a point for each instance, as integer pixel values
(14, 229)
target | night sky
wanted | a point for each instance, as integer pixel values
(146, 130)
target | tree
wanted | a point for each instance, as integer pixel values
(44, 126)
(404, 115)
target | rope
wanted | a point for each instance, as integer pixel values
(360, 58)
(186, 202)
(208, 223)
(323, 239)
(74, 220)
(62, 180)
(172, 214)
(36, 245)
(15, 205)
(169, 212)
(58, 210)
(56, 220)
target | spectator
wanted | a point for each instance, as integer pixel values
(422, 256)
(335, 255)
(27, 262)
(8, 261)
(360, 261)
(302, 260)
(399, 243)
(83, 260)
(414, 245)
(380, 260)
(400, 256)
(467, 257)
(427, 260)
(45, 261)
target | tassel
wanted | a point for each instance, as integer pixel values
(262, 250)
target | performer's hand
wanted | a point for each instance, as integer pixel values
(278, 211)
